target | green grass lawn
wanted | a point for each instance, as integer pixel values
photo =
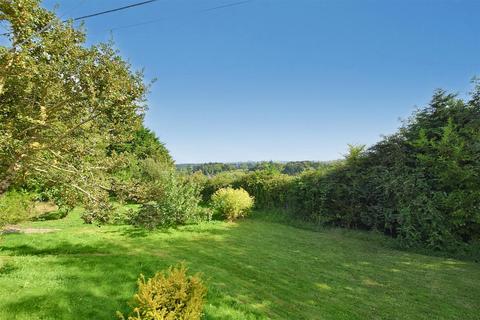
(254, 269)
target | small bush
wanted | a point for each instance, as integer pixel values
(170, 296)
(232, 203)
(177, 204)
(15, 207)
(152, 215)
(203, 214)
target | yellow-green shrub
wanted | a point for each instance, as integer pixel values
(171, 296)
(15, 207)
(232, 203)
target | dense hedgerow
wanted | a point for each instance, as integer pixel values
(232, 203)
(420, 185)
(171, 296)
(269, 188)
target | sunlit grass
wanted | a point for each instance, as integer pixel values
(254, 269)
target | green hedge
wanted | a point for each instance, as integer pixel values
(420, 185)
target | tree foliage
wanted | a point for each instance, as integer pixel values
(62, 105)
(145, 163)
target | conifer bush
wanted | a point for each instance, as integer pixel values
(232, 203)
(168, 296)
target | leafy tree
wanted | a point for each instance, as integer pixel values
(62, 104)
(145, 161)
(144, 144)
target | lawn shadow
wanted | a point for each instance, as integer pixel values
(7, 268)
(64, 248)
(134, 232)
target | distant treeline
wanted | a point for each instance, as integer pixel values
(287, 167)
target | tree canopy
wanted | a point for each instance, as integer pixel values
(62, 104)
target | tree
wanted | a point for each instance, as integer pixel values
(145, 161)
(62, 104)
(144, 144)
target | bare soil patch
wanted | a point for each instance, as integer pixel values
(18, 229)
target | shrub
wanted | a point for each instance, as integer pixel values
(204, 213)
(151, 215)
(221, 180)
(170, 296)
(269, 188)
(15, 207)
(176, 204)
(232, 203)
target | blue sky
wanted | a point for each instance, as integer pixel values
(287, 79)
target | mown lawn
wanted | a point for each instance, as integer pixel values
(254, 269)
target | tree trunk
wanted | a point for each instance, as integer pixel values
(8, 177)
(4, 184)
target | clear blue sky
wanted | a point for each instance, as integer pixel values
(287, 79)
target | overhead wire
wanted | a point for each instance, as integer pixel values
(237, 3)
(226, 5)
(90, 16)
(112, 10)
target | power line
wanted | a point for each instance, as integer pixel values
(226, 5)
(119, 9)
(200, 11)
(90, 16)
(112, 10)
